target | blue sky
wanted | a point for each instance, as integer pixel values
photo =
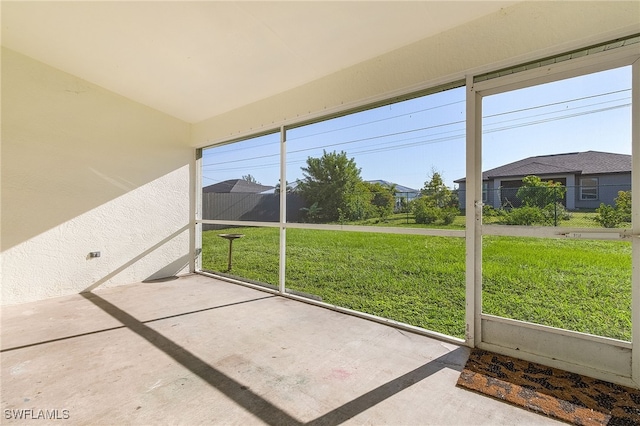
(405, 142)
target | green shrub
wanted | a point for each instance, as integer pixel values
(623, 205)
(357, 206)
(426, 215)
(607, 216)
(448, 215)
(531, 215)
(312, 213)
(526, 216)
(425, 212)
(554, 213)
(489, 211)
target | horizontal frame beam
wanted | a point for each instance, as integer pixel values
(434, 232)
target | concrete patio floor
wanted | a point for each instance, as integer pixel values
(196, 350)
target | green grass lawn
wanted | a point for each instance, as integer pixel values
(580, 285)
(420, 280)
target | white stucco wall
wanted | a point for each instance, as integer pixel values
(516, 34)
(85, 170)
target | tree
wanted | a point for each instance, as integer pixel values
(437, 203)
(437, 192)
(535, 192)
(250, 178)
(383, 199)
(331, 181)
(357, 203)
(540, 203)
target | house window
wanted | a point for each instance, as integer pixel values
(485, 189)
(589, 188)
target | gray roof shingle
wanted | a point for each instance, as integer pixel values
(586, 163)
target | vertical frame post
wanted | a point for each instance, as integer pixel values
(473, 216)
(195, 237)
(635, 222)
(283, 210)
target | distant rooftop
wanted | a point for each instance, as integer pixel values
(585, 163)
(236, 185)
(399, 188)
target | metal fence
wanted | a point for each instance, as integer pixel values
(596, 206)
(602, 206)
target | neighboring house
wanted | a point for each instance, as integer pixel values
(402, 192)
(236, 185)
(591, 178)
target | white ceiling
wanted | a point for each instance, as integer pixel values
(194, 60)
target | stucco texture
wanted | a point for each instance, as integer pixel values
(86, 170)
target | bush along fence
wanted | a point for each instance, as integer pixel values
(531, 204)
(557, 205)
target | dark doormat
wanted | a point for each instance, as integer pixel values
(556, 393)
